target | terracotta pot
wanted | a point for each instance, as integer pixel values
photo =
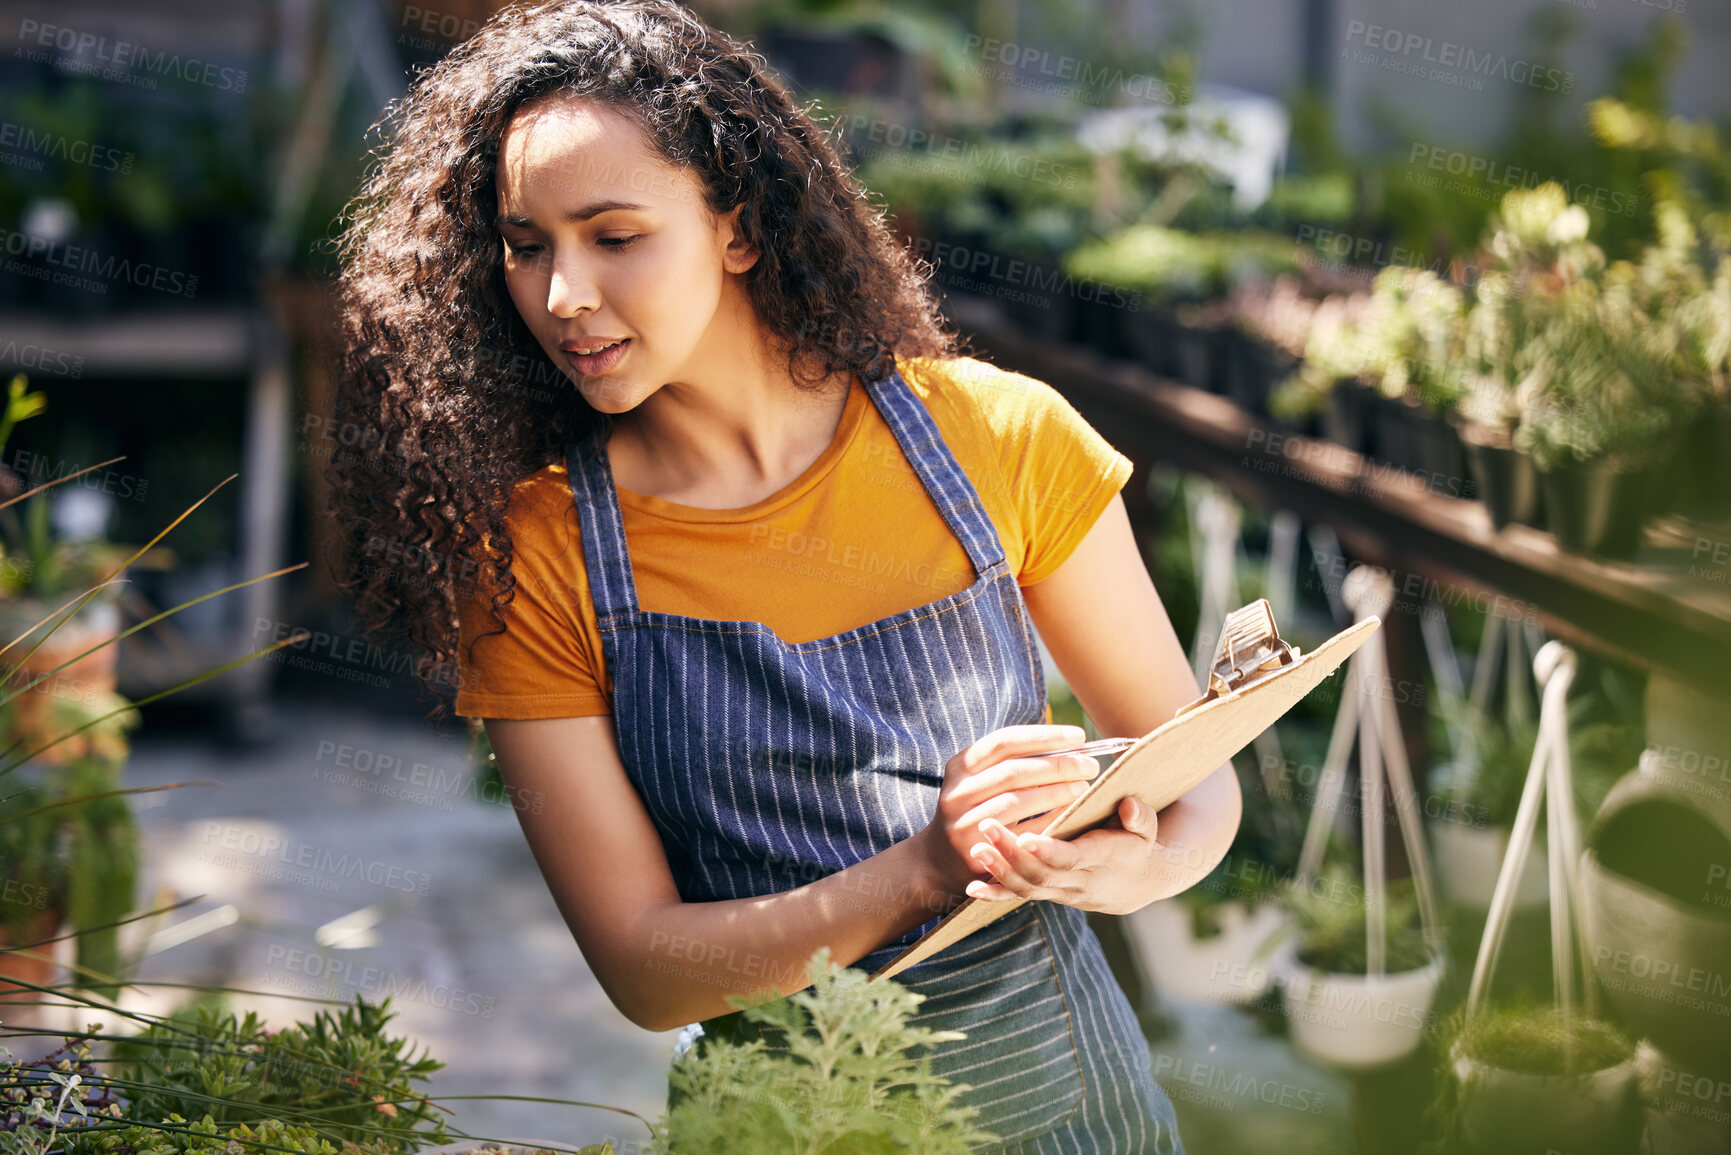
(1356, 1022)
(88, 678)
(1588, 1114)
(14, 965)
(1219, 969)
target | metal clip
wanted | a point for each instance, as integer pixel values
(1250, 648)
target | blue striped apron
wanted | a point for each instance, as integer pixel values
(767, 764)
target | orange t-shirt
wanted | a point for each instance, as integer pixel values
(853, 539)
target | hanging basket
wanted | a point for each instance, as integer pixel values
(1596, 1113)
(1468, 859)
(1656, 912)
(1356, 1022)
(1221, 968)
(1592, 1111)
(1360, 1021)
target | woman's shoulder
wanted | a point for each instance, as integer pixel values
(967, 389)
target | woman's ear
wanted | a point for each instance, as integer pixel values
(738, 255)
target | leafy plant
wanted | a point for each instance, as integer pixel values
(1330, 923)
(849, 1079)
(341, 1074)
(1406, 337)
(1534, 1041)
(1176, 265)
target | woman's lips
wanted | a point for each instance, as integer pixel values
(594, 364)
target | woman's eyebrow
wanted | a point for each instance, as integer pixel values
(581, 214)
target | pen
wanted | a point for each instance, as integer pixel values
(1097, 747)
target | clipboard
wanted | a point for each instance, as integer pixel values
(1254, 679)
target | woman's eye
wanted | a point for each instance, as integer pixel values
(617, 242)
(521, 250)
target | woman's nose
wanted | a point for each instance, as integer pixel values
(571, 288)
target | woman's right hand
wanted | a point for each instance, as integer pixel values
(1002, 776)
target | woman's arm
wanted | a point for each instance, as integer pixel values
(665, 962)
(1110, 636)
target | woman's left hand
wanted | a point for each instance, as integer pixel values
(1115, 868)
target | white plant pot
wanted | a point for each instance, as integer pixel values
(1469, 858)
(1222, 968)
(1355, 1022)
(1590, 1114)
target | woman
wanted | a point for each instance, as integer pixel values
(756, 575)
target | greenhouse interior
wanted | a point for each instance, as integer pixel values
(1401, 334)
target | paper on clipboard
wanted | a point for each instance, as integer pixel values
(1255, 679)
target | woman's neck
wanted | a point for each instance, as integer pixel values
(725, 453)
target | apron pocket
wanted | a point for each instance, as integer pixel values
(1000, 986)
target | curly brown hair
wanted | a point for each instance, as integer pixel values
(439, 381)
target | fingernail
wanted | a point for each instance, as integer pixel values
(982, 860)
(1078, 788)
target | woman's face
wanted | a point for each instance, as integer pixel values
(606, 242)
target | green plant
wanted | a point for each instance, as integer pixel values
(1330, 924)
(340, 1075)
(1405, 338)
(1523, 1039)
(1176, 265)
(847, 1082)
(70, 846)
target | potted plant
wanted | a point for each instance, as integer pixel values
(1183, 278)
(1586, 346)
(1527, 1079)
(1656, 909)
(1402, 346)
(1556, 1076)
(1206, 944)
(1337, 1011)
(39, 571)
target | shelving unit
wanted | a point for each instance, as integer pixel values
(208, 343)
(1651, 611)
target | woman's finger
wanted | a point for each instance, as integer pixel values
(1013, 806)
(1017, 773)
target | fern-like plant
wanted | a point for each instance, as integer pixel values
(849, 1080)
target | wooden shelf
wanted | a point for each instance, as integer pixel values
(1667, 609)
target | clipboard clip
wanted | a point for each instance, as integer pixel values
(1250, 648)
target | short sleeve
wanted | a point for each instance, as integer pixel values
(543, 664)
(1061, 474)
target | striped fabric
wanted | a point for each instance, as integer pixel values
(767, 764)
